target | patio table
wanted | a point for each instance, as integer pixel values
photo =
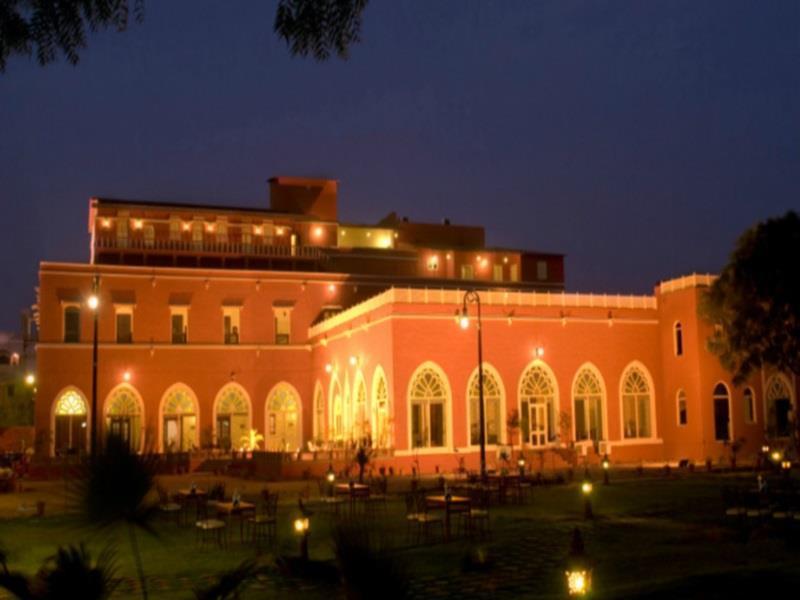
(450, 504)
(240, 510)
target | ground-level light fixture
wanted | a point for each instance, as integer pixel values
(606, 466)
(777, 455)
(579, 569)
(301, 525)
(786, 465)
(30, 379)
(765, 449)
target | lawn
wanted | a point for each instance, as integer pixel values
(652, 537)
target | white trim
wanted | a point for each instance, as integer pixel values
(636, 364)
(487, 366)
(635, 442)
(171, 346)
(448, 408)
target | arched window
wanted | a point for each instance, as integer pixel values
(71, 430)
(336, 416)
(588, 402)
(678, 333)
(636, 400)
(778, 398)
(492, 402)
(233, 417)
(749, 401)
(283, 419)
(537, 393)
(722, 419)
(319, 414)
(123, 415)
(683, 409)
(428, 395)
(360, 422)
(179, 415)
(381, 434)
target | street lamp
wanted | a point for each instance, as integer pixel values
(606, 467)
(30, 379)
(93, 302)
(471, 296)
(301, 526)
(586, 489)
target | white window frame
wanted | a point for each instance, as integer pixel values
(235, 315)
(276, 310)
(645, 372)
(182, 311)
(681, 395)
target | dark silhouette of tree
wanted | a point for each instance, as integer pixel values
(115, 488)
(69, 573)
(756, 301)
(319, 27)
(49, 28)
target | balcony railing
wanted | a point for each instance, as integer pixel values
(206, 247)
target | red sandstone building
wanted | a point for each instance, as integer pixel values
(214, 321)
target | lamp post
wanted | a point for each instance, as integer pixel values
(471, 296)
(586, 489)
(94, 304)
(301, 526)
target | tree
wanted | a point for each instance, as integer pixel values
(49, 28)
(755, 302)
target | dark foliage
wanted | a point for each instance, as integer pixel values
(69, 573)
(229, 584)
(756, 301)
(319, 27)
(50, 27)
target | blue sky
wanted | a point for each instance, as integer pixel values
(638, 138)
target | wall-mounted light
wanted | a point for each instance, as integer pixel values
(138, 223)
(448, 256)
(186, 225)
(258, 230)
(396, 235)
(329, 368)
(105, 223)
(369, 234)
(318, 231)
(30, 379)
(126, 376)
(331, 288)
(538, 352)
(210, 227)
(353, 361)
(279, 230)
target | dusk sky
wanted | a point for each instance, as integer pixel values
(638, 138)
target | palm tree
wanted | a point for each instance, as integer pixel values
(229, 584)
(69, 573)
(115, 488)
(252, 440)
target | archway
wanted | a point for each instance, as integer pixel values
(231, 416)
(124, 415)
(179, 414)
(283, 414)
(71, 430)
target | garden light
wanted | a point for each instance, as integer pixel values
(301, 525)
(579, 569)
(30, 379)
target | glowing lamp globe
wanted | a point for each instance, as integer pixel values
(521, 462)
(331, 477)
(786, 465)
(586, 487)
(578, 582)
(30, 379)
(765, 449)
(463, 322)
(301, 525)
(93, 301)
(777, 456)
(606, 464)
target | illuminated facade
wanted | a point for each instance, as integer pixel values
(319, 334)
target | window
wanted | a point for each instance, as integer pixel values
(72, 324)
(124, 324)
(587, 394)
(683, 415)
(233, 417)
(721, 413)
(179, 424)
(283, 325)
(428, 398)
(467, 272)
(180, 327)
(636, 395)
(433, 263)
(541, 270)
(123, 416)
(537, 395)
(230, 324)
(749, 406)
(360, 422)
(381, 434)
(779, 406)
(319, 414)
(678, 339)
(497, 272)
(492, 401)
(514, 273)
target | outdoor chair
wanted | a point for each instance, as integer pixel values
(167, 506)
(209, 529)
(331, 501)
(263, 524)
(427, 522)
(476, 521)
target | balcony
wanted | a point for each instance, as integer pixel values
(207, 254)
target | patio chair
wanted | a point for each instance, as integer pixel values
(333, 502)
(263, 524)
(168, 507)
(477, 521)
(209, 529)
(427, 522)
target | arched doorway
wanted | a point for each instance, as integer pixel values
(722, 413)
(69, 423)
(283, 427)
(232, 422)
(381, 426)
(538, 395)
(179, 419)
(124, 415)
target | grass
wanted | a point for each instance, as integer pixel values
(651, 538)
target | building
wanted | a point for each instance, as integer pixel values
(17, 386)
(213, 321)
